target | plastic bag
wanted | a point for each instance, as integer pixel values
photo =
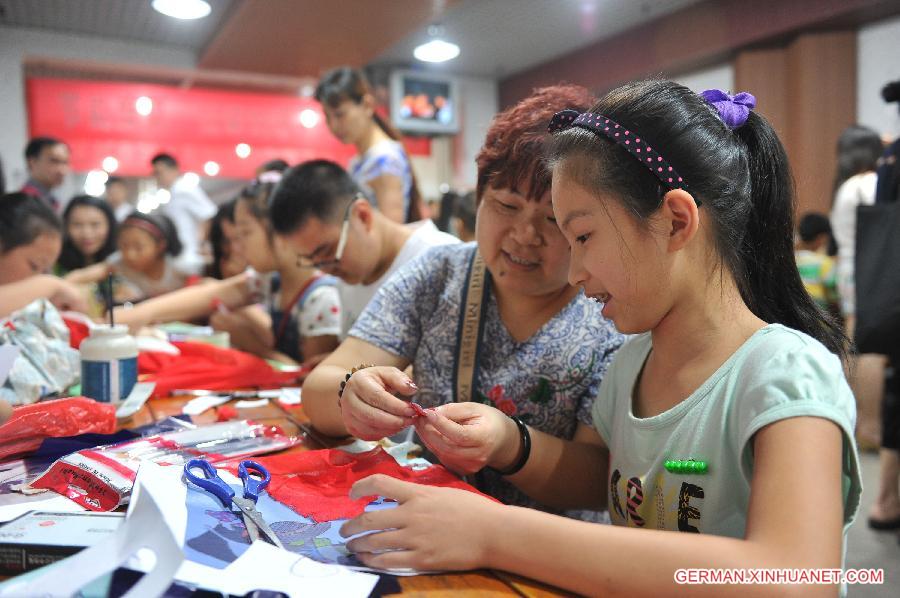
(101, 478)
(31, 424)
(47, 364)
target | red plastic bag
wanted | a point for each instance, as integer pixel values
(31, 424)
(317, 484)
(201, 365)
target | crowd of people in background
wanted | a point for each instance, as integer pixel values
(315, 265)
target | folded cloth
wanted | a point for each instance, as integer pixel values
(201, 365)
(316, 484)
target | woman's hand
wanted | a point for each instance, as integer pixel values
(431, 528)
(369, 409)
(469, 436)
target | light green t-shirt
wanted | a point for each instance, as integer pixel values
(778, 373)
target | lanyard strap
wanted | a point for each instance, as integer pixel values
(475, 294)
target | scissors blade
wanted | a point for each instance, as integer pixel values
(252, 530)
(249, 509)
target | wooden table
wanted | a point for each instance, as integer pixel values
(294, 422)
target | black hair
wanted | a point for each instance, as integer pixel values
(276, 165)
(24, 218)
(348, 84)
(37, 145)
(164, 224)
(465, 210)
(217, 237)
(741, 178)
(858, 150)
(70, 258)
(166, 159)
(812, 225)
(257, 195)
(314, 189)
(112, 180)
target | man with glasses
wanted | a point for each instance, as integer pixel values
(320, 212)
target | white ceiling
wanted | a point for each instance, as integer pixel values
(133, 20)
(500, 37)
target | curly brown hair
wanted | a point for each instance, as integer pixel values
(512, 156)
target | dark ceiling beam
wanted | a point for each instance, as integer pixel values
(695, 36)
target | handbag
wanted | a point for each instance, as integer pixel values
(877, 278)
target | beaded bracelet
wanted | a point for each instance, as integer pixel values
(525, 437)
(346, 379)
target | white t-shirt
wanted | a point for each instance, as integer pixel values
(856, 191)
(188, 208)
(355, 297)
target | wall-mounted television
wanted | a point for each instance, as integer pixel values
(424, 102)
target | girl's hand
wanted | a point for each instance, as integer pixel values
(431, 529)
(469, 436)
(368, 407)
(68, 296)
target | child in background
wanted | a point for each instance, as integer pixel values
(227, 260)
(726, 417)
(144, 265)
(89, 227)
(304, 313)
(816, 268)
(30, 240)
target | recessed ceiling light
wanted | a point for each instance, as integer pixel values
(437, 50)
(211, 168)
(143, 105)
(182, 9)
(309, 118)
(110, 164)
(242, 150)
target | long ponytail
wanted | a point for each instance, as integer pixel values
(771, 285)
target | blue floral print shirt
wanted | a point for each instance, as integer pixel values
(549, 381)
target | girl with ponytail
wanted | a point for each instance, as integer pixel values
(725, 416)
(382, 167)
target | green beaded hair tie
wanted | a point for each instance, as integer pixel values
(686, 467)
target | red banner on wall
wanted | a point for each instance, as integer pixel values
(102, 119)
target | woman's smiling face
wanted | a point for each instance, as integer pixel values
(521, 244)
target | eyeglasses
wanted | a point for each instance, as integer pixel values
(303, 262)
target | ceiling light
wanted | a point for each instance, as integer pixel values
(309, 118)
(437, 50)
(211, 168)
(163, 196)
(110, 164)
(143, 105)
(182, 9)
(95, 183)
(242, 150)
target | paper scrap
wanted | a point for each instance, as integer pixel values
(289, 396)
(201, 404)
(245, 404)
(8, 355)
(139, 394)
(140, 532)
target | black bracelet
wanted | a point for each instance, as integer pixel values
(346, 379)
(525, 445)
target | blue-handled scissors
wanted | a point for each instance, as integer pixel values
(212, 483)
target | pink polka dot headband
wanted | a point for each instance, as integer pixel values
(632, 141)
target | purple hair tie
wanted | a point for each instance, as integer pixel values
(632, 141)
(733, 110)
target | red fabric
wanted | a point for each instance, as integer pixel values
(226, 413)
(317, 484)
(78, 331)
(202, 365)
(29, 425)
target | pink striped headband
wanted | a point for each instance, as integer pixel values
(636, 145)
